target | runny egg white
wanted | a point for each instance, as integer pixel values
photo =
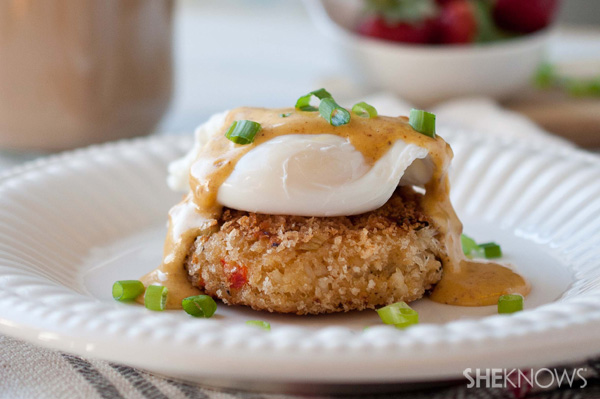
(308, 174)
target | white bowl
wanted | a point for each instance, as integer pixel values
(425, 74)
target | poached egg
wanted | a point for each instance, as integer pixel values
(306, 174)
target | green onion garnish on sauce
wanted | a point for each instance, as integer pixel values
(156, 297)
(423, 122)
(491, 250)
(333, 113)
(398, 314)
(303, 103)
(243, 131)
(285, 115)
(260, 324)
(468, 244)
(364, 110)
(510, 303)
(127, 290)
(199, 306)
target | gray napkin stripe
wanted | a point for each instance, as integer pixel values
(137, 380)
(190, 391)
(102, 385)
(107, 390)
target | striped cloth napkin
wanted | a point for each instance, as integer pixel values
(27, 371)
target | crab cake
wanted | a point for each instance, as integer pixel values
(311, 265)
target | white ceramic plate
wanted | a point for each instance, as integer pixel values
(72, 225)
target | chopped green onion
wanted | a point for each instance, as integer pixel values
(548, 77)
(582, 88)
(303, 102)
(156, 297)
(126, 290)
(423, 122)
(468, 244)
(333, 113)
(259, 323)
(491, 250)
(199, 306)
(545, 76)
(328, 108)
(510, 303)
(243, 131)
(399, 314)
(406, 323)
(364, 110)
(285, 115)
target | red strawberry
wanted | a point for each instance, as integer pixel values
(524, 16)
(457, 23)
(419, 32)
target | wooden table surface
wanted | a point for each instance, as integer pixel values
(575, 51)
(577, 119)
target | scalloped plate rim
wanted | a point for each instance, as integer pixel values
(85, 343)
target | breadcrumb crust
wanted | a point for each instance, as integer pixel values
(311, 265)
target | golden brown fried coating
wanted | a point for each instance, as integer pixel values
(296, 264)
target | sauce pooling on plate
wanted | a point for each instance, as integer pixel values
(478, 284)
(464, 282)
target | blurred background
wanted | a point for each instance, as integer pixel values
(74, 75)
